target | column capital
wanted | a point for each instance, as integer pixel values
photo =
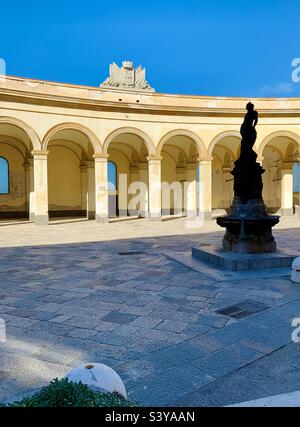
(205, 160)
(28, 163)
(287, 165)
(83, 168)
(191, 166)
(227, 170)
(141, 166)
(154, 158)
(98, 156)
(39, 154)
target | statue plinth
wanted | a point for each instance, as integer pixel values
(248, 228)
(248, 225)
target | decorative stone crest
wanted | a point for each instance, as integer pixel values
(127, 78)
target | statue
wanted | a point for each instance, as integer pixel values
(248, 225)
(247, 173)
(248, 130)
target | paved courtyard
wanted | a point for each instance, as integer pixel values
(77, 292)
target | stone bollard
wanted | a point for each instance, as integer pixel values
(296, 271)
(99, 378)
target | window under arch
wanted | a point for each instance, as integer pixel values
(296, 177)
(112, 177)
(4, 176)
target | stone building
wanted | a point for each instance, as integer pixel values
(68, 150)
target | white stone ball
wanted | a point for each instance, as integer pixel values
(296, 271)
(99, 378)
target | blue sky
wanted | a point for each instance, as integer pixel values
(226, 48)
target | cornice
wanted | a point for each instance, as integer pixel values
(72, 102)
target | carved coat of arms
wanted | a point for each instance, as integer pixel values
(127, 77)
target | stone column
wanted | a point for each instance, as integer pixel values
(29, 176)
(154, 167)
(41, 216)
(91, 203)
(205, 192)
(181, 208)
(191, 189)
(101, 187)
(287, 189)
(143, 177)
(84, 188)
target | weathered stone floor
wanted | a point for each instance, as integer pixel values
(68, 297)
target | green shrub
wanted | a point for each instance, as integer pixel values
(66, 394)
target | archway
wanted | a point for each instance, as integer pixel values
(128, 152)
(225, 152)
(180, 153)
(280, 155)
(16, 169)
(71, 173)
(113, 208)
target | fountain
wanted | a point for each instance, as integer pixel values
(248, 225)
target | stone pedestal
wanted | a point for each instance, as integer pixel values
(248, 228)
(243, 261)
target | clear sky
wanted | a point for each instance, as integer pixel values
(225, 47)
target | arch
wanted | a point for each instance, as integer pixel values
(220, 136)
(182, 132)
(73, 126)
(135, 131)
(32, 135)
(284, 133)
(4, 176)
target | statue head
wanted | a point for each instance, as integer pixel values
(250, 106)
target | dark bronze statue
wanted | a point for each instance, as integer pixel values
(248, 130)
(248, 224)
(247, 173)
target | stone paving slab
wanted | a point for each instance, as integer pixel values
(150, 317)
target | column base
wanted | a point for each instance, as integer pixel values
(286, 212)
(91, 215)
(191, 214)
(31, 217)
(102, 219)
(206, 215)
(41, 219)
(143, 214)
(155, 217)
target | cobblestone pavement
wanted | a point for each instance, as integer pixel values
(77, 292)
